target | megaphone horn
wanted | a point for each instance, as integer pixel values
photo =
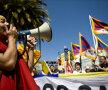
(45, 32)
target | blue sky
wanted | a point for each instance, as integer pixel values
(69, 17)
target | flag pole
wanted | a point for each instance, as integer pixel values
(80, 49)
(72, 50)
(80, 62)
(94, 38)
(92, 33)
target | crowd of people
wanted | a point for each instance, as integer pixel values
(102, 66)
(77, 68)
(39, 71)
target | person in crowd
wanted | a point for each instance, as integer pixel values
(87, 70)
(56, 69)
(77, 68)
(62, 71)
(52, 68)
(10, 62)
(39, 69)
(103, 64)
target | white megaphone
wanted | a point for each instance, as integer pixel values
(43, 32)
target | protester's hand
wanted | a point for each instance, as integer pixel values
(11, 32)
(3, 25)
(106, 69)
(95, 64)
(99, 67)
(31, 42)
(80, 71)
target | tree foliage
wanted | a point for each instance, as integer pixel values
(24, 14)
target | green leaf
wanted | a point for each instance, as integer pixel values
(29, 19)
(23, 8)
(18, 10)
(22, 21)
(5, 6)
(27, 15)
(15, 14)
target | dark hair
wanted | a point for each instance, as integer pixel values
(103, 57)
(77, 63)
(51, 65)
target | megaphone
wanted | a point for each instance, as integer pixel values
(43, 32)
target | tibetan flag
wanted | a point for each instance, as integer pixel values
(99, 27)
(75, 50)
(59, 61)
(36, 53)
(86, 49)
(102, 48)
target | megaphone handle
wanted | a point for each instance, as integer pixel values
(25, 44)
(39, 46)
(40, 52)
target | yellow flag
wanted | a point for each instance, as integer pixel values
(45, 67)
(36, 52)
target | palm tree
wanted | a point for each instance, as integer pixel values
(24, 14)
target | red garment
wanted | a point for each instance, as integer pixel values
(18, 79)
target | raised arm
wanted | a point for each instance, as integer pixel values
(30, 62)
(103, 69)
(9, 57)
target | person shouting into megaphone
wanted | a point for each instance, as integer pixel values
(8, 58)
(14, 71)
